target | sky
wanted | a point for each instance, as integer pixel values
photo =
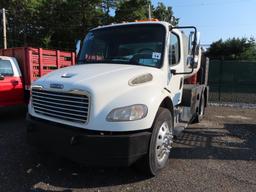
(216, 19)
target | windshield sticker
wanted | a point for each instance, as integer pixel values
(156, 55)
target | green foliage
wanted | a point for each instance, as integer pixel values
(131, 10)
(233, 49)
(164, 13)
(59, 23)
(22, 17)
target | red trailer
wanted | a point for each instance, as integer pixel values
(19, 67)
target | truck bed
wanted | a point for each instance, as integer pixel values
(36, 62)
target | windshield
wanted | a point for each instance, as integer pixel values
(133, 44)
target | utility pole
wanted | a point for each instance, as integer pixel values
(4, 29)
(149, 11)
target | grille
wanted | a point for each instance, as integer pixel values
(61, 105)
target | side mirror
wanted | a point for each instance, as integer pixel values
(192, 62)
(192, 47)
(1, 77)
(78, 46)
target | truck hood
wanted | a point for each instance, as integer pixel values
(108, 88)
(93, 76)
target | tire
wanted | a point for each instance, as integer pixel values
(160, 143)
(201, 111)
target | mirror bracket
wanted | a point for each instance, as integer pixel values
(173, 71)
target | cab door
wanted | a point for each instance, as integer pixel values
(11, 85)
(175, 81)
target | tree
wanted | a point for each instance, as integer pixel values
(107, 5)
(52, 23)
(234, 49)
(164, 13)
(131, 10)
(65, 21)
(58, 24)
(22, 17)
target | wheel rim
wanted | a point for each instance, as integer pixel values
(164, 142)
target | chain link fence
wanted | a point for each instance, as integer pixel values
(232, 81)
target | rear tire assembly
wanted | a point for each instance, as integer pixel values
(160, 144)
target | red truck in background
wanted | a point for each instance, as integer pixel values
(19, 67)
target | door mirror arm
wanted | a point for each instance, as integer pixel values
(173, 71)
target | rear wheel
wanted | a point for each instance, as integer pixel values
(160, 143)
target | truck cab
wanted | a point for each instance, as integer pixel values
(123, 101)
(11, 89)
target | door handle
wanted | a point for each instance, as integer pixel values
(15, 82)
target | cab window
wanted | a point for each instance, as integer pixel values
(6, 68)
(174, 50)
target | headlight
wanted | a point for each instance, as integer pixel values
(129, 113)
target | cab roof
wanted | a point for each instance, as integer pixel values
(142, 22)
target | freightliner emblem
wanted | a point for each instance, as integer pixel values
(56, 86)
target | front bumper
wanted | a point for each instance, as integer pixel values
(88, 147)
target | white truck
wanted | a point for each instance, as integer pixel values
(135, 85)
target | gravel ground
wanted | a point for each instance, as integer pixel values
(233, 105)
(219, 154)
(234, 97)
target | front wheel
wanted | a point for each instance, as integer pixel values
(160, 143)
